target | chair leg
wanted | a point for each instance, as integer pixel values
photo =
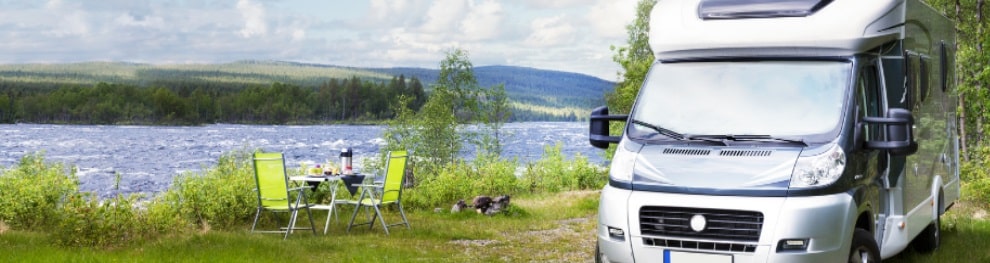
(327, 225)
(292, 223)
(403, 213)
(312, 226)
(356, 209)
(257, 213)
(378, 214)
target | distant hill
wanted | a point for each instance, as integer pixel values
(547, 92)
(529, 88)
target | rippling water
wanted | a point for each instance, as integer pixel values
(148, 157)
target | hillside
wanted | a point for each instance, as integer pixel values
(540, 92)
(563, 93)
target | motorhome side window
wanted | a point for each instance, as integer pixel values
(867, 89)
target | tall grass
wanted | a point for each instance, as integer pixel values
(43, 197)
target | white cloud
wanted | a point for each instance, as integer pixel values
(484, 21)
(554, 4)
(550, 31)
(254, 18)
(548, 34)
(444, 16)
(70, 19)
(145, 22)
(610, 17)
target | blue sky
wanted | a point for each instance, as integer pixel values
(567, 35)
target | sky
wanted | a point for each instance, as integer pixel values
(565, 35)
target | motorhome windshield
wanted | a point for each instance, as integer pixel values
(778, 98)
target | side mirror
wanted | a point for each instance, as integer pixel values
(898, 129)
(598, 133)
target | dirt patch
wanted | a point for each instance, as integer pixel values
(474, 243)
(980, 214)
(3, 227)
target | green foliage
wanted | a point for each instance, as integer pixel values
(432, 133)
(554, 173)
(221, 198)
(976, 178)
(461, 180)
(31, 192)
(85, 221)
(193, 103)
(635, 59)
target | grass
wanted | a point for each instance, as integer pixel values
(542, 228)
(965, 236)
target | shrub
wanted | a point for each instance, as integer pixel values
(461, 180)
(975, 177)
(86, 221)
(554, 173)
(31, 192)
(222, 197)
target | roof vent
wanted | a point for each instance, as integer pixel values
(735, 9)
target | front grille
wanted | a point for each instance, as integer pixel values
(722, 225)
(711, 246)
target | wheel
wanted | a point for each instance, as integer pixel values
(864, 249)
(929, 239)
(598, 253)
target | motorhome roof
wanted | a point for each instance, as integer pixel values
(733, 28)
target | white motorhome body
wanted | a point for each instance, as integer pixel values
(784, 131)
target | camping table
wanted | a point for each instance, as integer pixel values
(334, 180)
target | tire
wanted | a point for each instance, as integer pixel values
(864, 249)
(930, 239)
(598, 253)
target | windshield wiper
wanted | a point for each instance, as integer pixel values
(746, 137)
(660, 130)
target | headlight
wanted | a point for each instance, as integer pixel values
(622, 163)
(819, 170)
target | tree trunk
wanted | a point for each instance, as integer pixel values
(980, 84)
(962, 99)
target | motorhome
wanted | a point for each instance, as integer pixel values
(784, 131)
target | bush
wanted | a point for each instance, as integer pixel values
(86, 221)
(461, 180)
(222, 197)
(975, 177)
(554, 173)
(31, 192)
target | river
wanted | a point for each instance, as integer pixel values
(148, 157)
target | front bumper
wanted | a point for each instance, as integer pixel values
(827, 223)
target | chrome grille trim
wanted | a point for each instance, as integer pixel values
(700, 245)
(722, 225)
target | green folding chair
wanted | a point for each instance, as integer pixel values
(274, 194)
(389, 192)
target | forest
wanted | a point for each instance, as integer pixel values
(263, 92)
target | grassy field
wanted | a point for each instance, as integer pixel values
(553, 228)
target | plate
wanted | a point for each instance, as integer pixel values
(680, 257)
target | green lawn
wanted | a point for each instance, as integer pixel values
(549, 228)
(556, 228)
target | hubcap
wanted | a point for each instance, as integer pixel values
(860, 255)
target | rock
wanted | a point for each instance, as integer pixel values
(460, 205)
(482, 203)
(499, 204)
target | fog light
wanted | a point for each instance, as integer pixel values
(616, 233)
(788, 245)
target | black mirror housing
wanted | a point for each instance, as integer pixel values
(898, 129)
(598, 134)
